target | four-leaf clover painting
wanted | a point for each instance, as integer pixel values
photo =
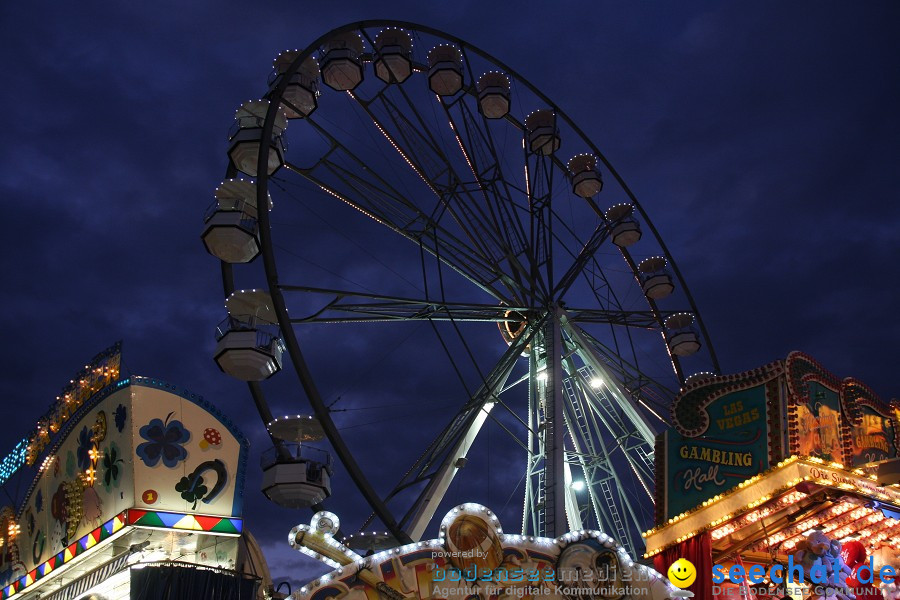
(165, 441)
(119, 417)
(84, 448)
(112, 470)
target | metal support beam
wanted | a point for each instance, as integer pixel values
(625, 401)
(555, 523)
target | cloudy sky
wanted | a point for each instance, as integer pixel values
(762, 138)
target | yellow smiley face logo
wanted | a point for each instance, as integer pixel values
(682, 573)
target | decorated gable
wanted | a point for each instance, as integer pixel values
(137, 452)
(816, 421)
(874, 425)
(840, 421)
(186, 458)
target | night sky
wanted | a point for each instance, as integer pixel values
(762, 138)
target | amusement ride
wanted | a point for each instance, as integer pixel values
(506, 218)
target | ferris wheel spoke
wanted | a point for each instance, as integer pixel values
(601, 481)
(640, 319)
(397, 214)
(376, 197)
(496, 206)
(394, 308)
(608, 381)
(600, 413)
(478, 218)
(419, 147)
(590, 417)
(539, 188)
(605, 294)
(456, 195)
(447, 453)
(587, 253)
(645, 389)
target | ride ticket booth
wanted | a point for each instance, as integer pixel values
(781, 466)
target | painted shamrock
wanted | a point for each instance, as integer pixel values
(111, 461)
(192, 489)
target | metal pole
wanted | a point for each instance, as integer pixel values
(555, 523)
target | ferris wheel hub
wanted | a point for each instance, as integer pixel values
(514, 325)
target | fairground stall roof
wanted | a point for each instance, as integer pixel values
(760, 458)
(119, 470)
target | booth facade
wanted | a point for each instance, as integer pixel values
(757, 462)
(131, 485)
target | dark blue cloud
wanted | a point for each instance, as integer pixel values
(762, 138)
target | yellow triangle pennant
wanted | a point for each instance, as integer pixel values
(188, 522)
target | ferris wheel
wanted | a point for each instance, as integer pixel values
(473, 212)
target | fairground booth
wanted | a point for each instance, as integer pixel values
(785, 463)
(128, 487)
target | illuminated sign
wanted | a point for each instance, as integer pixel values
(851, 482)
(732, 448)
(819, 423)
(874, 434)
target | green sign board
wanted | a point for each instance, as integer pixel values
(873, 438)
(733, 448)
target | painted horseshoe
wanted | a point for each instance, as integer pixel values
(221, 477)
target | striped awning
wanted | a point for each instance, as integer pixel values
(91, 579)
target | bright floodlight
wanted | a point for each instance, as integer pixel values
(542, 376)
(596, 382)
(577, 485)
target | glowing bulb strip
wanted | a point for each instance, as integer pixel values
(13, 460)
(67, 554)
(811, 469)
(352, 568)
